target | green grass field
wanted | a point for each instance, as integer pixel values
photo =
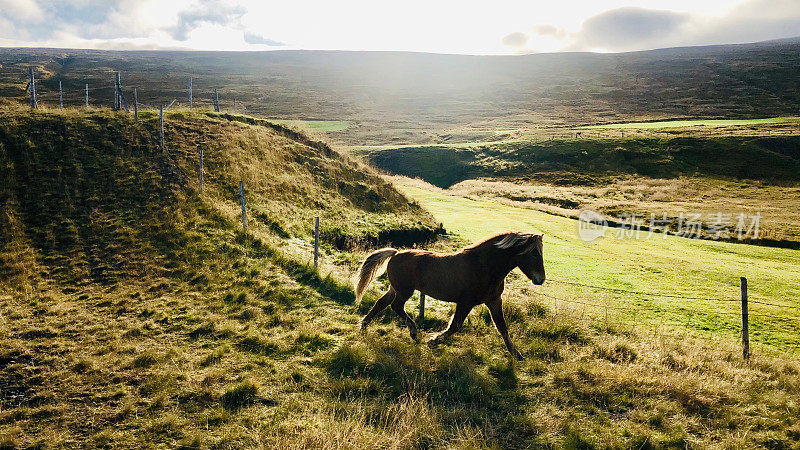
(692, 123)
(321, 126)
(671, 265)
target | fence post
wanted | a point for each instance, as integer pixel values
(216, 100)
(421, 308)
(60, 96)
(745, 324)
(32, 88)
(117, 103)
(190, 92)
(244, 212)
(135, 104)
(201, 170)
(161, 122)
(316, 242)
(87, 95)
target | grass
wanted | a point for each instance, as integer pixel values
(320, 126)
(616, 196)
(660, 264)
(137, 313)
(693, 123)
(581, 161)
(397, 97)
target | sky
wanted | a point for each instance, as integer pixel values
(463, 27)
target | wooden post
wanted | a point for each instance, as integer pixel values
(244, 211)
(32, 88)
(87, 95)
(60, 96)
(745, 323)
(216, 100)
(190, 92)
(201, 170)
(161, 120)
(421, 308)
(316, 242)
(117, 103)
(234, 104)
(135, 104)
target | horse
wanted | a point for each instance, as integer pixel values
(469, 277)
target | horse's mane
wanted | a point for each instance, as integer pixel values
(523, 242)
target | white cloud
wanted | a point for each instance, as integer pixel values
(448, 26)
(21, 9)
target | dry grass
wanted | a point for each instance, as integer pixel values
(217, 339)
(645, 196)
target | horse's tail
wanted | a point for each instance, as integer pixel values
(370, 268)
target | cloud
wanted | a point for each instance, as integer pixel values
(206, 12)
(515, 39)
(629, 28)
(752, 21)
(550, 30)
(254, 38)
(21, 9)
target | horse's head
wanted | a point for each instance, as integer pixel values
(526, 251)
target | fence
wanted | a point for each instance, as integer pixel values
(744, 316)
(745, 300)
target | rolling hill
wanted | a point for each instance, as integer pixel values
(422, 98)
(136, 312)
(114, 267)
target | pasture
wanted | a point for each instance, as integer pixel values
(692, 123)
(318, 126)
(661, 265)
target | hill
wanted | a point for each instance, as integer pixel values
(423, 98)
(619, 176)
(114, 267)
(136, 312)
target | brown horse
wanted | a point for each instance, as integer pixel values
(470, 277)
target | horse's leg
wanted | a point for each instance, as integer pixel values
(496, 310)
(379, 306)
(398, 305)
(462, 311)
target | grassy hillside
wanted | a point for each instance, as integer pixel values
(135, 313)
(399, 97)
(109, 253)
(763, 158)
(643, 176)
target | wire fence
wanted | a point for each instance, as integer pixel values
(116, 91)
(666, 325)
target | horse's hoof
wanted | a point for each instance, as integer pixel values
(414, 336)
(433, 343)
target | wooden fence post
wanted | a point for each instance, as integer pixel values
(216, 100)
(87, 95)
(60, 96)
(161, 123)
(421, 308)
(745, 323)
(32, 88)
(117, 103)
(201, 170)
(244, 211)
(135, 104)
(316, 242)
(190, 92)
